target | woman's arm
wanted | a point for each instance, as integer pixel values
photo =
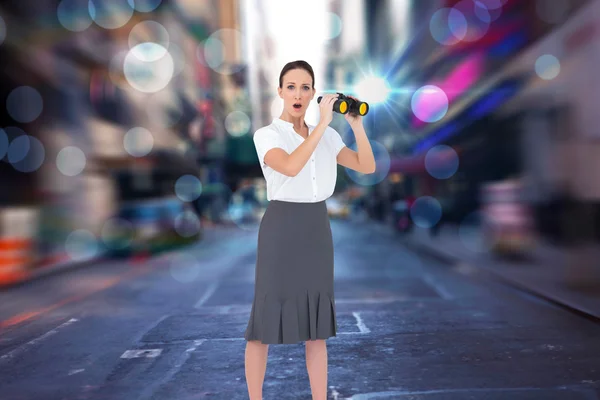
(292, 164)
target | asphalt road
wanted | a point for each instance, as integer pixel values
(171, 328)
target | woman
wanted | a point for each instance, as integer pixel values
(293, 294)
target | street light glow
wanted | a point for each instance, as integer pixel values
(373, 90)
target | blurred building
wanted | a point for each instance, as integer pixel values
(118, 121)
(480, 76)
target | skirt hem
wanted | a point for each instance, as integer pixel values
(307, 316)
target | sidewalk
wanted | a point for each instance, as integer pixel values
(214, 235)
(544, 272)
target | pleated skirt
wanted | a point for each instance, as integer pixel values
(293, 289)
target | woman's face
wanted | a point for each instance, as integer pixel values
(296, 91)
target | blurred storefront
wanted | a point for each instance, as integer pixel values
(111, 131)
(478, 76)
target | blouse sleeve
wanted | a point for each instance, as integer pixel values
(338, 143)
(264, 140)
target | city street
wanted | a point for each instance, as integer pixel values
(171, 327)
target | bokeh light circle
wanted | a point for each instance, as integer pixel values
(214, 50)
(426, 212)
(3, 143)
(184, 267)
(472, 233)
(110, 14)
(237, 123)
(335, 27)
(188, 188)
(214, 53)
(441, 161)
(149, 50)
(138, 142)
(71, 161)
(24, 104)
(245, 209)
(476, 26)
(81, 245)
(488, 10)
(18, 148)
(187, 224)
(547, 67)
(144, 5)
(482, 12)
(429, 103)
(34, 157)
(117, 233)
(382, 161)
(448, 26)
(148, 67)
(74, 15)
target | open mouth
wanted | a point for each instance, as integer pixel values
(297, 106)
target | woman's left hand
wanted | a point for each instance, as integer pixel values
(353, 119)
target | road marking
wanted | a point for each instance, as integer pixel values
(437, 287)
(195, 345)
(334, 393)
(361, 325)
(209, 292)
(75, 371)
(143, 353)
(37, 340)
(410, 394)
(150, 390)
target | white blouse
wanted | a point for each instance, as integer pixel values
(316, 181)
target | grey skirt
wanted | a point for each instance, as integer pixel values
(293, 292)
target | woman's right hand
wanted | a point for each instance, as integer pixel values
(326, 108)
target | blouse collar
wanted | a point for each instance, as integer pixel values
(286, 124)
(280, 122)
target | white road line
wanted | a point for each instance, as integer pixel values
(150, 390)
(361, 325)
(446, 295)
(142, 353)
(35, 341)
(75, 371)
(209, 292)
(195, 346)
(470, 391)
(334, 393)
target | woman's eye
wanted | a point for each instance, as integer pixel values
(306, 88)
(290, 87)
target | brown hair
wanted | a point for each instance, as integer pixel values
(299, 64)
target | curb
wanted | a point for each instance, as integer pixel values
(556, 300)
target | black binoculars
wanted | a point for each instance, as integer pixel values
(345, 104)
